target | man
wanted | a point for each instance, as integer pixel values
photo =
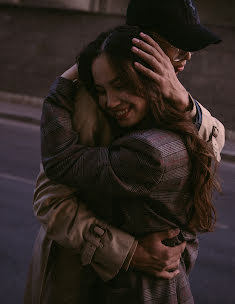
(70, 231)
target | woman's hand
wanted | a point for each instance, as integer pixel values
(156, 259)
(71, 73)
(162, 70)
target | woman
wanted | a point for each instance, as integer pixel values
(149, 178)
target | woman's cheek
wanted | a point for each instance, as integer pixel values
(102, 101)
(123, 95)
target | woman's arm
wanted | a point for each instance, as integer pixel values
(120, 170)
(129, 167)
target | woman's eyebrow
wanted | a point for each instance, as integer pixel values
(98, 85)
(110, 82)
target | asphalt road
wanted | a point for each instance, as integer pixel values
(212, 279)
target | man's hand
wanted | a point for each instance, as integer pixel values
(162, 70)
(156, 259)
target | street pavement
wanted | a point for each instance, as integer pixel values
(19, 165)
(213, 277)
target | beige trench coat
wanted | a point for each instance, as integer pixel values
(71, 236)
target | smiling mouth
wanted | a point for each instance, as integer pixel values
(121, 114)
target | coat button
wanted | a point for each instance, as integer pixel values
(98, 231)
(215, 131)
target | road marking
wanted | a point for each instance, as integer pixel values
(17, 178)
(20, 124)
(221, 226)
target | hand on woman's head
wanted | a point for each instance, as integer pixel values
(162, 70)
(132, 82)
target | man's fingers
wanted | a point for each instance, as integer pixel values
(149, 59)
(170, 262)
(169, 234)
(172, 233)
(172, 266)
(165, 274)
(179, 248)
(147, 72)
(152, 42)
(147, 48)
(174, 253)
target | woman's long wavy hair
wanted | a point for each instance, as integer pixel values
(116, 45)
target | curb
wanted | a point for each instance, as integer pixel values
(21, 99)
(20, 118)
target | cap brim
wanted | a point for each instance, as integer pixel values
(189, 38)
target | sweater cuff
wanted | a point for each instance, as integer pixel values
(195, 112)
(192, 107)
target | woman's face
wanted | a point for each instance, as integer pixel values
(125, 107)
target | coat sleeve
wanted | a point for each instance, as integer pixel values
(212, 130)
(128, 168)
(68, 222)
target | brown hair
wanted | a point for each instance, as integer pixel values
(116, 44)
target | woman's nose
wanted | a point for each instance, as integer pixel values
(112, 100)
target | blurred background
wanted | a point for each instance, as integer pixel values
(38, 41)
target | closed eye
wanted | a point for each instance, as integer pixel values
(117, 86)
(100, 91)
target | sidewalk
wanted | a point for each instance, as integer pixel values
(20, 107)
(28, 109)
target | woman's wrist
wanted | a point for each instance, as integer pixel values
(71, 73)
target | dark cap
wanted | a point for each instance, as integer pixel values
(175, 20)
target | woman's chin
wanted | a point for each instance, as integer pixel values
(124, 124)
